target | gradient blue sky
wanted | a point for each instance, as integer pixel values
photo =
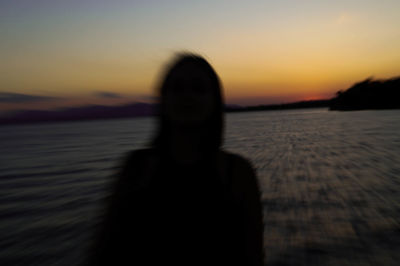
(75, 52)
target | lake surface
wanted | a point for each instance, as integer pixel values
(330, 184)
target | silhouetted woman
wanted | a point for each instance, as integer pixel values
(184, 201)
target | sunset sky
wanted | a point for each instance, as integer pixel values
(61, 53)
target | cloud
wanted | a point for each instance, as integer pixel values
(345, 18)
(11, 97)
(107, 94)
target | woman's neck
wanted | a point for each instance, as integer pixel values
(185, 144)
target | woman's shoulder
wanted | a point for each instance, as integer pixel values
(138, 164)
(139, 154)
(238, 162)
(138, 158)
(243, 175)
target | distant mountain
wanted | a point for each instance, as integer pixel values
(283, 106)
(369, 94)
(80, 113)
(94, 112)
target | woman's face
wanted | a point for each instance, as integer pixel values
(189, 99)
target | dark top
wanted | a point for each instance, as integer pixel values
(163, 213)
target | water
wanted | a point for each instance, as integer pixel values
(330, 183)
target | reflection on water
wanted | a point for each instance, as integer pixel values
(330, 181)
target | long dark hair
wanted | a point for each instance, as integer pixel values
(213, 128)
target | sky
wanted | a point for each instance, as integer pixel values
(62, 53)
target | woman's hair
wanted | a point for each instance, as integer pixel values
(213, 126)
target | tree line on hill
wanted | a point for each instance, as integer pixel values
(369, 94)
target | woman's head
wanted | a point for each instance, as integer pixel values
(190, 96)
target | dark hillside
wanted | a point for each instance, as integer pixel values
(369, 94)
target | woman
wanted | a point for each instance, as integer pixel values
(184, 200)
